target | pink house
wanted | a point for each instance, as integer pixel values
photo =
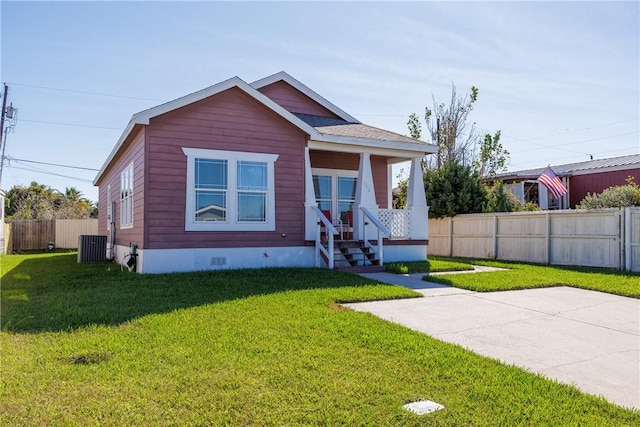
(267, 174)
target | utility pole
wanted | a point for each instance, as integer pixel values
(4, 109)
(2, 113)
(7, 112)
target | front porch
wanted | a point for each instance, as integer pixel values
(344, 219)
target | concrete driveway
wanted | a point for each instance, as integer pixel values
(584, 338)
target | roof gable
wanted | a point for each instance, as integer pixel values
(306, 91)
(355, 135)
(144, 117)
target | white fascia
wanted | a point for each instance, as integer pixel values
(374, 146)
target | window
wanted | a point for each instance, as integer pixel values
(322, 186)
(252, 191)
(211, 190)
(229, 190)
(346, 196)
(126, 197)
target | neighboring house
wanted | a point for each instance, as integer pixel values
(267, 174)
(580, 179)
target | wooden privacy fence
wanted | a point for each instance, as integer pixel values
(600, 238)
(29, 234)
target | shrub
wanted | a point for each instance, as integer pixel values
(499, 199)
(452, 190)
(619, 196)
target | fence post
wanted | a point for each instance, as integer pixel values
(450, 236)
(548, 237)
(627, 237)
(495, 236)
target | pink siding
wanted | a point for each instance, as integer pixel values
(380, 183)
(232, 121)
(332, 160)
(133, 152)
(294, 101)
(594, 183)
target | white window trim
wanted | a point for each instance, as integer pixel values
(122, 213)
(231, 223)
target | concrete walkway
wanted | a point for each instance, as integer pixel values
(584, 338)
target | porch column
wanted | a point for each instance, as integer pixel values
(417, 202)
(310, 218)
(365, 197)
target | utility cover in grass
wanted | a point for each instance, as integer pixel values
(422, 407)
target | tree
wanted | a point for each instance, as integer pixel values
(499, 199)
(449, 127)
(618, 196)
(493, 157)
(453, 189)
(399, 197)
(39, 201)
(74, 206)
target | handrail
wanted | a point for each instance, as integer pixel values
(331, 231)
(385, 231)
(325, 220)
(382, 231)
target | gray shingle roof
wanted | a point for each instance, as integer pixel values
(569, 168)
(339, 127)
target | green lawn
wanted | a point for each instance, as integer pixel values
(525, 276)
(91, 345)
(429, 266)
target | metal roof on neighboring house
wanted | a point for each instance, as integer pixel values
(339, 127)
(569, 168)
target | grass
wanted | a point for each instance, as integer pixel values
(432, 265)
(88, 345)
(526, 276)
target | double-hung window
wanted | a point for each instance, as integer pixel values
(228, 190)
(126, 197)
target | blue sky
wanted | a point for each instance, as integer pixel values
(559, 79)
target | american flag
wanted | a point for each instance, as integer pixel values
(552, 182)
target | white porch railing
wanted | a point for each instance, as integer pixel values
(382, 231)
(330, 232)
(397, 221)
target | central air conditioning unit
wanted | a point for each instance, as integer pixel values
(92, 249)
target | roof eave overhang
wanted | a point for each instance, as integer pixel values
(373, 146)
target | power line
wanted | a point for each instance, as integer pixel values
(87, 93)
(52, 164)
(51, 173)
(587, 128)
(521, 164)
(556, 147)
(69, 124)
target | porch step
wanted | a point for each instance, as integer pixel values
(353, 254)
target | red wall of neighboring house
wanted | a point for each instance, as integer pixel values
(230, 120)
(581, 185)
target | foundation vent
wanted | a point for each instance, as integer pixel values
(218, 260)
